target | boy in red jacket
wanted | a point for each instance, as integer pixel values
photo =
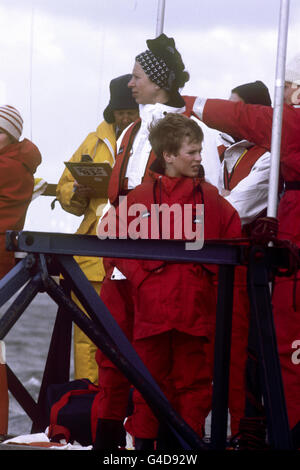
(174, 303)
(18, 163)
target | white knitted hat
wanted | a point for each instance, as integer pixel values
(11, 121)
(292, 73)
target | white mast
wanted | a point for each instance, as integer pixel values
(160, 17)
(278, 108)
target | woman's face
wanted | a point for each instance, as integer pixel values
(5, 139)
(124, 117)
(144, 91)
(291, 93)
(235, 97)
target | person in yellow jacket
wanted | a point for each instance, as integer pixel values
(80, 200)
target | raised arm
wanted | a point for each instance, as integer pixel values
(250, 122)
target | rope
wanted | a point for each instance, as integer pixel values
(251, 435)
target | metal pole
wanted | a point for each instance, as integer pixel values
(160, 17)
(278, 108)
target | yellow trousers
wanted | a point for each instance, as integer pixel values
(85, 366)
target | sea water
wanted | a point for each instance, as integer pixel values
(27, 345)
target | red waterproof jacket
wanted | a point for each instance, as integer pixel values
(171, 295)
(254, 123)
(18, 163)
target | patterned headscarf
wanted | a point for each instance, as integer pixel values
(156, 69)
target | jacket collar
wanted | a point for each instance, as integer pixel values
(105, 130)
(228, 141)
(25, 152)
(107, 134)
(156, 111)
(173, 190)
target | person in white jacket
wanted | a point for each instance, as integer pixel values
(244, 174)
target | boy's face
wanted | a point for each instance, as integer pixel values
(186, 162)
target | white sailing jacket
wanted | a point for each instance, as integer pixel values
(250, 195)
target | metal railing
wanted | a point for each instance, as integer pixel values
(51, 254)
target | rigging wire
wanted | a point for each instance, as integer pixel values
(31, 66)
(160, 17)
(100, 71)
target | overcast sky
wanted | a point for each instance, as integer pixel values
(58, 57)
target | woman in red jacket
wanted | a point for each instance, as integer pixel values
(158, 75)
(18, 163)
(174, 304)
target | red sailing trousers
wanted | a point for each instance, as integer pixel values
(180, 364)
(114, 386)
(286, 308)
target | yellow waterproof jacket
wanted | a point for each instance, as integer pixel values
(101, 146)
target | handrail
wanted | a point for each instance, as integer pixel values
(50, 190)
(50, 253)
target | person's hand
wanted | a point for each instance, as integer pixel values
(83, 191)
(265, 229)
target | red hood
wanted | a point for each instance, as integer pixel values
(25, 152)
